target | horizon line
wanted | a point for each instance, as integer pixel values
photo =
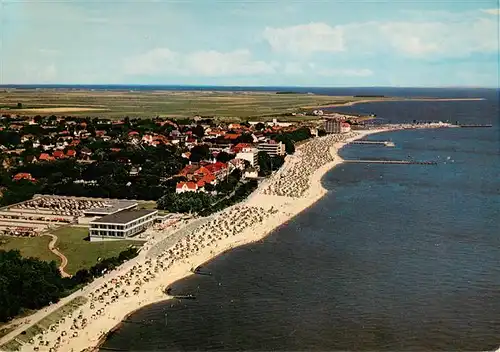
(8, 85)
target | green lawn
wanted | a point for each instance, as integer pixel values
(30, 247)
(82, 253)
(146, 204)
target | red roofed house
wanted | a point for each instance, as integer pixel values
(148, 139)
(345, 127)
(240, 146)
(218, 169)
(133, 133)
(23, 176)
(206, 179)
(189, 171)
(71, 153)
(232, 136)
(45, 157)
(186, 187)
(58, 154)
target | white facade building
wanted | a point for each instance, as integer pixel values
(272, 148)
(121, 225)
(250, 155)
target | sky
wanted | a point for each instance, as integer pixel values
(419, 43)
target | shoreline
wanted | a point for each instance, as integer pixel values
(390, 99)
(315, 193)
(93, 330)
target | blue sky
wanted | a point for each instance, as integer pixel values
(257, 42)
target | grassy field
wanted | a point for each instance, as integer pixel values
(146, 204)
(83, 254)
(43, 324)
(118, 104)
(71, 242)
(36, 247)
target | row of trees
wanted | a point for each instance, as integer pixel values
(30, 283)
(290, 138)
(268, 164)
(111, 175)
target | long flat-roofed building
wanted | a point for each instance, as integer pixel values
(122, 224)
(111, 207)
(272, 148)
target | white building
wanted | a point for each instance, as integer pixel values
(250, 155)
(186, 187)
(272, 148)
(275, 122)
(345, 127)
(251, 173)
(121, 225)
(333, 126)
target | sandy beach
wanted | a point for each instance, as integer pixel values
(167, 258)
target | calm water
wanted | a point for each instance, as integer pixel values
(392, 258)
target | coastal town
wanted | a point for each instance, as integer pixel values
(212, 186)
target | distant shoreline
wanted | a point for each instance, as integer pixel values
(390, 100)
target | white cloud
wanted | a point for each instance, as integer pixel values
(305, 39)
(293, 68)
(454, 35)
(492, 11)
(203, 63)
(454, 39)
(346, 72)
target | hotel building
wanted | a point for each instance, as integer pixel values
(272, 148)
(122, 224)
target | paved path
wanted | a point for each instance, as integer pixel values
(64, 260)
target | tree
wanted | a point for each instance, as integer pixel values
(199, 153)
(260, 126)
(19, 105)
(199, 131)
(224, 157)
(264, 162)
(245, 138)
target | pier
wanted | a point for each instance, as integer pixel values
(472, 126)
(384, 143)
(168, 291)
(399, 162)
(198, 271)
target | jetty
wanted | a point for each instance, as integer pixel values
(384, 143)
(198, 271)
(474, 125)
(400, 162)
(168, 292)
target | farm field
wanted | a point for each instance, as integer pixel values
(180, 104)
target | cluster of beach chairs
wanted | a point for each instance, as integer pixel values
(61, 205)
(294, 179)
(230, 222)
(22, 231)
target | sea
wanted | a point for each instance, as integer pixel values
(392, 258)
